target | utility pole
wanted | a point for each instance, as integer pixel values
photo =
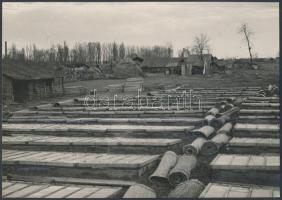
(6, 49)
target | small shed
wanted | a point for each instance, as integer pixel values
(191, 65)
(195, 64)
(28, 81)
(174, 67)
(157, 64)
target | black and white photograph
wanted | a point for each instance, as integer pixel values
(140, 99)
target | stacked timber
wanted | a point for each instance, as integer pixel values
(75, 90)
(115, 88)
(31, 189)
(133, 85)
(236, 190)
(121, 144)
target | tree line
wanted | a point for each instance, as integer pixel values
(88, 53)
(100, 53)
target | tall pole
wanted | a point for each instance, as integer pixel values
(6, 49)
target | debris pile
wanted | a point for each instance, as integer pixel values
(270, 91)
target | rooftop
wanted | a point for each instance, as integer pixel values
(28, 71)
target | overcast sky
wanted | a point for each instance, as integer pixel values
(145, 24)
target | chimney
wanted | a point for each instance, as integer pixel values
(6, 49)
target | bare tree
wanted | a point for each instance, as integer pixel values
(169, 50)
(247, 33)
(184, 53)
(13, 52)
(121, 51)
(201, 46)
(98, 53)
(89, 53)
(65, 52)
(115, 51)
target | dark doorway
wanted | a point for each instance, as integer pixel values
(177, 70)
(197, 70)
(20, 91)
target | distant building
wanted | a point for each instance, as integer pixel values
(156, 64)
(24, 82)
(194, 64)
(187, 66)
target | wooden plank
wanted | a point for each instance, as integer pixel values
(83, 160)
(99, 160)
(13, 188)
(261, 192)
(236, 190)
(217, 191)
(145, 160)
(260, 104)
(127, 159)
(257, 162)
(11, 153)
(46, 191)
(32, 157)
(92, 127)
(75, 181)
(103, 161)
(263, 98)
(273, 162)
(222, 160)
(77, 157)
(23, 154)
(26, 191)
(256, 127)
(53, 156)
(105, 192)
(241, 162)
(276, 192)
(63, 193)
(115, 159)
(270, 142)
(255, 117)
(85, 192)
(252, 142)
(99, 141)
(255, 111)
(6, 184)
